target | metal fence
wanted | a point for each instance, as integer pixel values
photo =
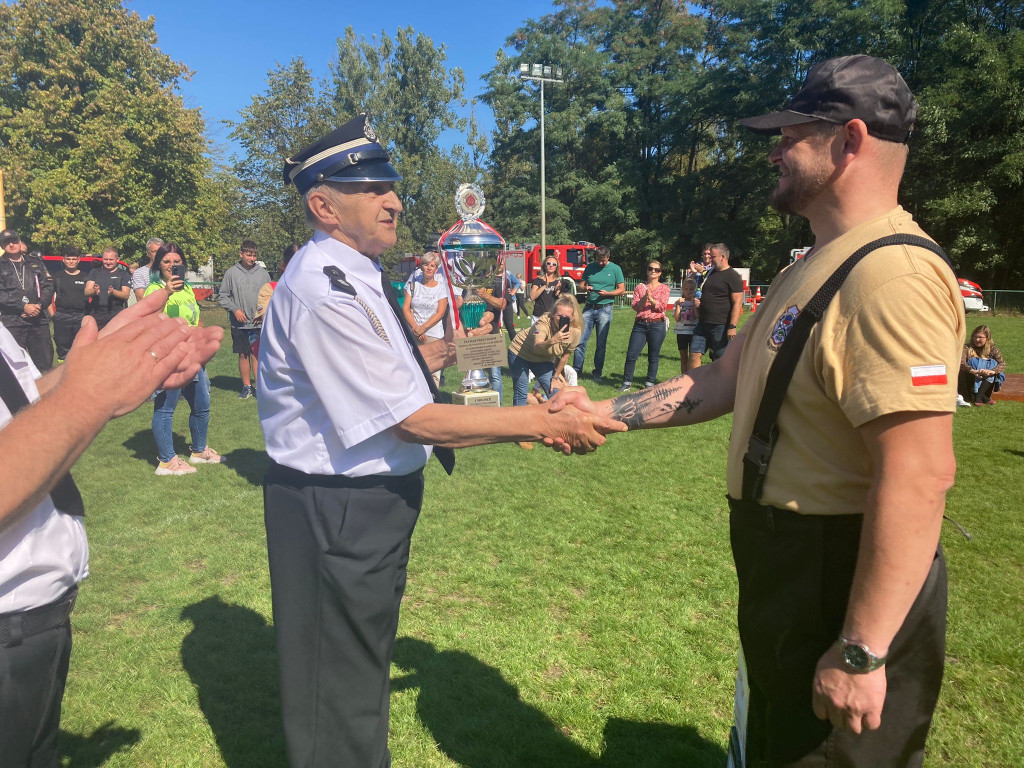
(1004, 302)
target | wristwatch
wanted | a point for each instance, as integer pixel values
(857, 657)
(731, 327)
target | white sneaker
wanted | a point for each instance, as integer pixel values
(174, 467)
(961, 402)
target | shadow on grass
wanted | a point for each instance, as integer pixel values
(226, 383)
(229, 655)
(143, 447)
(248, 463)
(1014, 452)
(478, 720)
(95, 749)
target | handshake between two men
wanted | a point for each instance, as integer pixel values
(569, 423)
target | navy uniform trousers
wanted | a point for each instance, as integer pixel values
(795, 573)
(338, 550)
(35, 651)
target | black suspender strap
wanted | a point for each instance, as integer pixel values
(64, 494)
(444, 455)
(766, 430)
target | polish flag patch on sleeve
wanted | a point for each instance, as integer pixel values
(923, 375)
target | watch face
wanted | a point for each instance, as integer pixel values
(855, 656)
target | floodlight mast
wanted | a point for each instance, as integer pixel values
(541, 73)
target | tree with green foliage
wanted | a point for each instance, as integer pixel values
(289, 114)
(96, 144)
(645, 152)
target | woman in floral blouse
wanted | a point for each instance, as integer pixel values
(650, 300)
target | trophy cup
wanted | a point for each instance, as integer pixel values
(473, 254)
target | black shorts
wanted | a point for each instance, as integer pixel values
(243, 339)
(683, 342)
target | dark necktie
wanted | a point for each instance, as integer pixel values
(445, 455)
(64, 493)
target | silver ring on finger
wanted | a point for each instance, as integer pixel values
(154, 354)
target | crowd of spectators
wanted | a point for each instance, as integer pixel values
(712, 320)
(31, 296)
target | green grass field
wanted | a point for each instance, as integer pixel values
(561, 611)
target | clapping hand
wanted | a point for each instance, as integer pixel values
(200, 344)
(124, 366)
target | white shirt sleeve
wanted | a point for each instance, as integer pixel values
(365, 385)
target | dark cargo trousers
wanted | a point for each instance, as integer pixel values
(795, 573)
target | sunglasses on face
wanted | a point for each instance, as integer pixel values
(654, 269)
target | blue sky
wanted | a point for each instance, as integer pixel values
(231, 44)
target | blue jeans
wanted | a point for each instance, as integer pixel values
(197, 394)
(653, 335)
(494, 374)
(520, 371)
(602, 318)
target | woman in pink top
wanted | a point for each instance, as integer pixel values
(650, 300)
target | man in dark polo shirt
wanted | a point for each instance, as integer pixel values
(71, 302)
(720, 304)
(108, 286)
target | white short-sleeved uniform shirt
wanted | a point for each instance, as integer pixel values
(44, 553)
(331, 388)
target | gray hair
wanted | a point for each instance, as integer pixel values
(327, 188)
(154, 241)
(430, 257)
(722, 248)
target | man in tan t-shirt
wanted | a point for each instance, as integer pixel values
(842, 587)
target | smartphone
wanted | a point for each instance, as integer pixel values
(563, 323)
(178, 270)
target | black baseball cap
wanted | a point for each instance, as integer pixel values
(848, 88)
(9, 236)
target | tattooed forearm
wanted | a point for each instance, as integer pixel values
(640, 408)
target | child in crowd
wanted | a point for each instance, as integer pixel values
(686, 320)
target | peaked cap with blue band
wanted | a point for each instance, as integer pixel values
(348, 153)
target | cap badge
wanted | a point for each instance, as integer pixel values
(368, 131)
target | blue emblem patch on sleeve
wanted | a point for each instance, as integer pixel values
(783, 326)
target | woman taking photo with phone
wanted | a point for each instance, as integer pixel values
(168, 274)
(544, 348)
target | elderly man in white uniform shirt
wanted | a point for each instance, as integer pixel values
(349, 418)
(43, 549)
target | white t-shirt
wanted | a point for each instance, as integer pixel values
(424, 302)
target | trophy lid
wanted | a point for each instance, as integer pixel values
(472, 235)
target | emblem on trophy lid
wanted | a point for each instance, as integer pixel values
(368, 132)
(469, 202)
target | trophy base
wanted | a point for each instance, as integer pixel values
(486, 398)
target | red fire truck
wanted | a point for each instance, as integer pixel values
(526, 260)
